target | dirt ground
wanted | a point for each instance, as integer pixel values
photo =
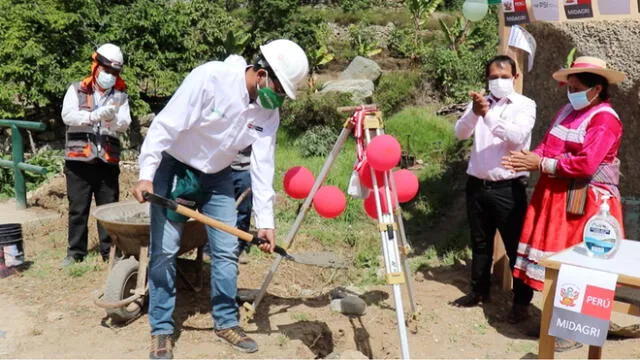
(49, 313)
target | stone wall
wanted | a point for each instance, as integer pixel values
(616, 42)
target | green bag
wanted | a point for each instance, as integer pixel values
(186, 187)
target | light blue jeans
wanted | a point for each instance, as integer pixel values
(219, 203)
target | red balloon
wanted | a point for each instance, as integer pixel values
(298, 182)
(406, 185)
(365, 176)
(329, 201)
(383, 152)
(370, 204)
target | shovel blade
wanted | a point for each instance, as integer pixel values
(320, 259)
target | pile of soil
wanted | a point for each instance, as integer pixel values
(53, 193)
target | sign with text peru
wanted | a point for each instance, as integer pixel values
(582, 305)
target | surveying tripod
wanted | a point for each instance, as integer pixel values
(394, 248)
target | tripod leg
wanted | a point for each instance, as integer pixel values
(395, 271)
(403, 257)
(337, 147)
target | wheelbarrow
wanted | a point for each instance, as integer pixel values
(125, 290)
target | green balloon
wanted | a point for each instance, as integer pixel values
(475, 10)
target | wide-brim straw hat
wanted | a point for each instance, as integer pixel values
(589, 64)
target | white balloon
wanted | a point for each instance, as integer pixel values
(475, 10)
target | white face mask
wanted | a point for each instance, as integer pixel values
(501, 87)
(106, 80)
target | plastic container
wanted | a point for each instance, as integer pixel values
(602, 234)
(11, 242)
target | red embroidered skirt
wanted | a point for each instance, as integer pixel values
(549, 229)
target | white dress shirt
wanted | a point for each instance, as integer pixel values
(208, 121)
(506, 127)
(72, 115)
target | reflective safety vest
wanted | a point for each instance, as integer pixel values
(90, 142)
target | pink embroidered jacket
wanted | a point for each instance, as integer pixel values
(582, 140)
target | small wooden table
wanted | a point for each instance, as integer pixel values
(625, 263)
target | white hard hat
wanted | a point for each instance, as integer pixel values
(110, 55)
(288, 61)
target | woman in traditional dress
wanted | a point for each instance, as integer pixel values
(578, 163)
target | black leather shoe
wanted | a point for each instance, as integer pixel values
(470, 300)
(519, 313)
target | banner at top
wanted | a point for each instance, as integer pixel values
(614, 7)
(546, 10)
(578, 9)
(515, 12)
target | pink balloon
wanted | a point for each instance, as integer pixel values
(407, 185)
(370, 204)
(298, 182)
(329, 201)
(365, 176)
(383, 152)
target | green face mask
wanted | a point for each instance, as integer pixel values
(269, 99)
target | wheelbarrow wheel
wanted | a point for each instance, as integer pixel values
(120, 284)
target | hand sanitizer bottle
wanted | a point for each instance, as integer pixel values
(602, 233)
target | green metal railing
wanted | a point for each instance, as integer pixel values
(17, 157)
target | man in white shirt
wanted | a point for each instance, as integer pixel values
(218, 110)
(96, 112)
(496, 197)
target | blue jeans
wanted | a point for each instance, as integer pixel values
(241, 182)
(165, 242)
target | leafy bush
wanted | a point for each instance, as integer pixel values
(40, 45)
(401, 42)
(455, 5)
(457, 64)
(313, 109)
(317, 141)
(396, 89)
(420, 9)
(353, 6)
(52, 160)
(46, 45)
(363, 40)
(455, 73)
(274, 19)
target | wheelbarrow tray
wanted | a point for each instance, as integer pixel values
(121, 220)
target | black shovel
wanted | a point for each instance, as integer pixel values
(324, 259)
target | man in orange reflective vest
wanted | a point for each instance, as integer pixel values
(96, 112)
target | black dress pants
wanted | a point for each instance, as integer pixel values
(491, 206)
(85, 181)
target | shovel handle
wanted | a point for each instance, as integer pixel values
(185, 211)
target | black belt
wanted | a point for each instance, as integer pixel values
(522, 180)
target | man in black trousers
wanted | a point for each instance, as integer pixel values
(496, 197)
(96, 112)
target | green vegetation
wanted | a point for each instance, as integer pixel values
(52, 160)
(311, 110)
(396, 89)
(46, 45)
